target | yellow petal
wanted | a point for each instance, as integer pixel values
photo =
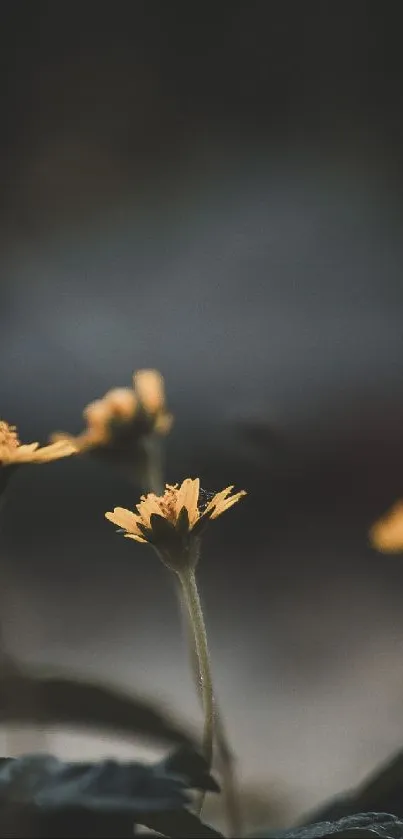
(31, 453)
(96, 413)
(218, 499)
(124, 518)
(188, 496)
(120, 403)
(386, 534)
(82, 442)
(147, 507)
(62, 448)
(226, 504)
(22, 454)
(149, 387)
(135, 536)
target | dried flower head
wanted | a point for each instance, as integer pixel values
(386, 535)
(173, 522)
(124, 415)
(13, 453)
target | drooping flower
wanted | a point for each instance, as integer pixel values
(13, 453)
(117, 421)
(173, 522)
(386, 535)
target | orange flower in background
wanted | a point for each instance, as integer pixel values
(386, 535)
(124, 414)
(173, 522)
(12, 452)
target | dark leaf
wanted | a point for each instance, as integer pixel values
(182, 524)
(179, 823)
(359, 826)
(38, 697)
(381, 792)
(41, 796)
(163, 532)
(193, 767)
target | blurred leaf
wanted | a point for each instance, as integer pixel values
(37, 696)
(359, 826)
(381, 792)
(41, 796)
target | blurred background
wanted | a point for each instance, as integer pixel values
(215, 190)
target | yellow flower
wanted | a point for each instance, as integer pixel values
(12, 452)
(124, 415)
(173, 522)
(386, 534)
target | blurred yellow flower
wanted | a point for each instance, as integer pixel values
(386, 535)
(124, 415)
(12, 452)
(174, 521)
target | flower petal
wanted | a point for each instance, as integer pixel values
(147, 507)
(31, 453)
(96, 413)
(124, 518)
(120, 403)
(149, 387)
(134, 536)
(188, 496)
(386, 534)
(21, 454)
(226, 504)
(217, 500)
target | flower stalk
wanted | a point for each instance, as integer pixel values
(191, 597)
(225, 755)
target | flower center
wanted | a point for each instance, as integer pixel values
(8, 436)
(168, 504)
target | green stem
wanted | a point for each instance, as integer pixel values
(195, 612)
(230, 787)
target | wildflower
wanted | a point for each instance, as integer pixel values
(386, 534)
(174, 521)
(124, 415)
(13, 453)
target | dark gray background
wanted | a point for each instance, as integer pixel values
(214, 189)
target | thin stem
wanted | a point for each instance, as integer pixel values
(226, 758)
(152, 478)
(195, 612)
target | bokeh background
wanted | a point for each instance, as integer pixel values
(215, 190)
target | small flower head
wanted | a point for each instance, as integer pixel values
(386, 535)
(13, 453)
(117, 422)
(173, 522)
